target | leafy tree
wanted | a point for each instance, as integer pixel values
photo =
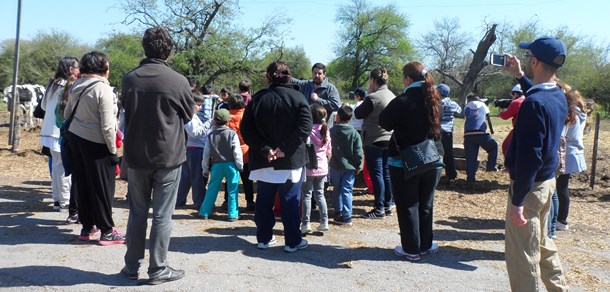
(124, 51)
(208, 43)
(300, 65)
(38, 57)
(370, 37)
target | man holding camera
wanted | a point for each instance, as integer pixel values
(532, 160)
(511, 112)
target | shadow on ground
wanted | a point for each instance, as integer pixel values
(325, 256)
(56, 276)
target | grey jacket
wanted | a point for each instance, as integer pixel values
(371, 131)
(222, 146)
(328, 95)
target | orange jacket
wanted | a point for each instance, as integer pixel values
(236, 115)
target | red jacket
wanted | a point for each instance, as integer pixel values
(234, 123)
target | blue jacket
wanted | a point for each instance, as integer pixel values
(532, 154)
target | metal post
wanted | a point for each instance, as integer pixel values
(594, 159)
(15, 106)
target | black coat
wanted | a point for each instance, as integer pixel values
(277, 117)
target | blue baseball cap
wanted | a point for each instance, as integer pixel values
(443, 89)
(551, 51)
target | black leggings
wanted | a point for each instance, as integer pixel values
(563, 195)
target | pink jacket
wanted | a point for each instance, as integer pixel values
(322, 151)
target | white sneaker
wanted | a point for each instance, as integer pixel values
(262, 245)
(305, 229)
(323, 227)
(433, 249)
(301, 245)
(561, 226)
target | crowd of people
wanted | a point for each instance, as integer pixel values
(294, 138)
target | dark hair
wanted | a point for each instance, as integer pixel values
(226, 90)
(63, 67)
(417, 72)
(318, 115)
(380, 75)
(360, 92)
(192, 81)
(345, 113)
(236, 101)
(278, 72)
(197, 98)
(244, 86)
(94, 63)
(65, 95)
(472, 96)
(157, 43)
(206, 89)
(319, 66)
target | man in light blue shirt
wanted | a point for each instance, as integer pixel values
(475, 135)
(449, 110)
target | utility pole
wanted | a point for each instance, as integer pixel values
(13, 133)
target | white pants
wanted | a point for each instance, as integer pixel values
(60, 184)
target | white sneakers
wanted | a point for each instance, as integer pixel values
(262, 245)
(561, 226)
(301, 245)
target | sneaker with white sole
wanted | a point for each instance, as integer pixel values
(433, 249)
(400, 252)
(305, 229)
(323, 227)
(562, 226)
(373, 215)
(262, 245)
(301, 245)
(168, 274)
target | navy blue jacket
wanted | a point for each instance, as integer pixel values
(532, 154)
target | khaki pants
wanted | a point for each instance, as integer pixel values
(530, 254)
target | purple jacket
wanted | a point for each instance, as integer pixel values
(323, 151)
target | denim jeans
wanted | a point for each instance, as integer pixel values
(377, 162)
(290, 203)
(343, 186)
(191, 177)
(553, 214)
(448, 159)
(471, 147)
(156, 187)
(314, 185)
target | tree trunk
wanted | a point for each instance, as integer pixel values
(478, 62)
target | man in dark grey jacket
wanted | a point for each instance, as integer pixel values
(157, 102)
(319, 90)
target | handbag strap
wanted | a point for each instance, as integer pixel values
(81, 94)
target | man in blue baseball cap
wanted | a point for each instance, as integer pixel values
(532, 160)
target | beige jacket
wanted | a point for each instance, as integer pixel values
(95, 116)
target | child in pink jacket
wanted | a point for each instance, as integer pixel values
(314, 184)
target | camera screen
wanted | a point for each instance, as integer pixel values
(497, 59)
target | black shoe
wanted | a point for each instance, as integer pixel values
(389, 212)
(344, 221)
(166, 275)
(128, 274)
(250, 206)
(72, 219)
(373, 215)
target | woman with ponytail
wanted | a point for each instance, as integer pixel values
(67, 68)
(414, 117)
(376, 141)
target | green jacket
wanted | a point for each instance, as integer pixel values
(347, 151)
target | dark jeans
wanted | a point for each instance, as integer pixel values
(247, 184)
(191, 177)
(448, 159)
(471, 147)
(290, 203)
(95, 175)
(73, 208)
(414, 208)
(377, 163)
(563, 195)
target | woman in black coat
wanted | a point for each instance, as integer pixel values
(414, 117)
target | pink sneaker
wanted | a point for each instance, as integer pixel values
(111, 238)
(87, 234)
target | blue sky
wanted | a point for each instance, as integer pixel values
(313, 21)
